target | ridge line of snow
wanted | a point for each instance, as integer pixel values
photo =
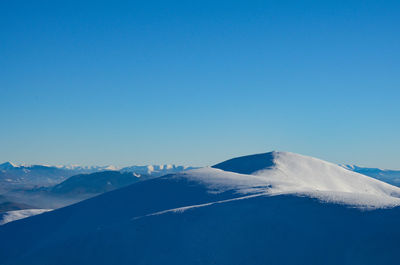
(185, 208)
(324, 196)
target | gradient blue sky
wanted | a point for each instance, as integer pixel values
(197, 82)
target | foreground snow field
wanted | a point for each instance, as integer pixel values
(273, 208)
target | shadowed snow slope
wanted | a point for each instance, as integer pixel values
(257, 209)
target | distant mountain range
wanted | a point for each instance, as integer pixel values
(42, 186)
(386, 175)
(18, 176)
(73, 189)
(156, 170)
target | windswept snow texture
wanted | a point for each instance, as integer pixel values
(10, 216)
(230, 214)
(288, 173)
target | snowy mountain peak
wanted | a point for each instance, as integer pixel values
(7, 165)
(288, 173)
(248, 164)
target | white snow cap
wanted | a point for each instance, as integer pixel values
(288, 173)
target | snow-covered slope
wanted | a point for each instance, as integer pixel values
(11, 216)
(260, 209)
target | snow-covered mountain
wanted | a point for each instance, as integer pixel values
(288, 173)
(7, 166)
(273, 208)
(24, 176)
(386, 175)
(76, 168)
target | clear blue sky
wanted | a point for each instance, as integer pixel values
(197, 82)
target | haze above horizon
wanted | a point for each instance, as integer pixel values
(196, 83)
